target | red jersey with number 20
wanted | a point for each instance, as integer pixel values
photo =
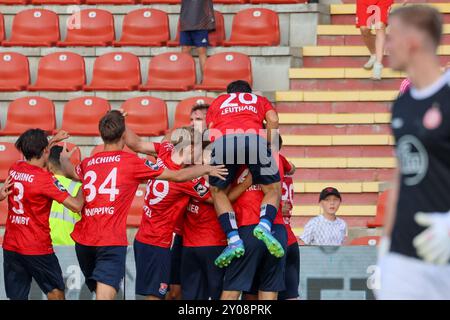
(110, 180)
(245, 111)
(166, 201)
(27, 227)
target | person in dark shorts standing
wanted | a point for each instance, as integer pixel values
(196, 20)
(414, 263)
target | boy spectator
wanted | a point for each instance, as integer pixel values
(326, 229)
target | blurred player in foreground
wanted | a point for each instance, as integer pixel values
(416, 265)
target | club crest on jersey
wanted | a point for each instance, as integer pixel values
(163, 288)
(59, 185)
(151, 165)
(413, 159)
(433, 117)
(201, 189)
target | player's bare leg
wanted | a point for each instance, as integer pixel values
(227, 219)
(174, 292)
(105, 292)
(152, 298)
(230, 295)
(369, 41)
(265, 295)
(56, 294)
(380, 41)
(202, 57)
(249, 297)
(269, 208)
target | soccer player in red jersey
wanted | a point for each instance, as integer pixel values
(110, 180)
(235, 121)
(27, 248)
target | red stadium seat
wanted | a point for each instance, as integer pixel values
(146, 115)
(381, 209)
(12, 2)
(50, 2)
(366, 241)
(255, 27)
(223, 68)
(100, 148)
(3, 214)
(171, 71)
(81, 115)
(34, 28)
(114, 2)
(29, 112)
(135, 214)
(215, 37)
(183, 110)
(145, 27)
(116, 71)
(90, 28)
(2, 28)
(8, 155)
(60, 71)
(76, 156)
(14, 71)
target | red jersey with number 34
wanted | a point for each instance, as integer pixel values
(245, 111)
(110, 180)
(27, 226)
(165, 202)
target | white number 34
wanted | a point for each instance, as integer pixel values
(110, 180)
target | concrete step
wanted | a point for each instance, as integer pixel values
(321, 96)
(345, 162)
(339, 151)
(337, 140)
(349, 61)
(345, 84)
(367, 198)
(334, 107)
(344, 210)
(340, 73)
(349, 130)
(342, 186)
(351, 51)
(342, 118)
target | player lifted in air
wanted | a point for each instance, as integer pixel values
(235, 121)
(418, 219)
(27, 247)
(109, 183)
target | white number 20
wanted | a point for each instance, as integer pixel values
(111, 180)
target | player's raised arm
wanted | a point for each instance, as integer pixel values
(66, 165)
(193, 172)
(135, 143)
(272, 123)
(5, 190)
(240, 188)
(75, 204)
(61, 135)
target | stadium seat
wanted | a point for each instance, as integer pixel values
(14, 71)
(8, 155)
(95, 29)
(215, 37)
(145, 27)
(34, 28)
(184, 107)
(12, 2)
(146, 115)
(50, 2)
(135, 214)
(223, 68)
(255, 27)
(29, 112)
(113, 2)
(81, 115)
(100, 147)
(76, 156)
(381, 208)
(3, 215)
(366, 241)
(115, 71)
(60, 71)
(2, 28)
(171, 71)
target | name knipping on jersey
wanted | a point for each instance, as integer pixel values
(20, 176)
(99, 211)
(103, 160)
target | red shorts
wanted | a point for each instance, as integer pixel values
(369, 12)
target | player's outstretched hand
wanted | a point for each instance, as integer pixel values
(218, 171)
(6, 190)
(65, 153)
(60, 136)
(123, 112)
(433, 244)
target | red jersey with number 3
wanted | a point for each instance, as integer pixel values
(245, 111)
(27, 227)
(110, 180)
(201, 226)
(166, 201)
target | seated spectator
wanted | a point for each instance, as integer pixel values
(62, 220)
(326, 229)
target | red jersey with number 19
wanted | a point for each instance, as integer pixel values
(165, 201)
(27, 227)
(245, 111)
(110, 180)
